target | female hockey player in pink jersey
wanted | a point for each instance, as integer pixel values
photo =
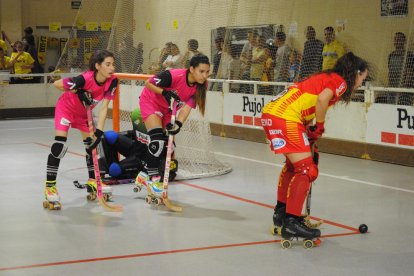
(95, 85)
(186, 86)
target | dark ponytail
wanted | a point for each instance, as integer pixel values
(348, 66)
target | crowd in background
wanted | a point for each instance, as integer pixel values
(21, 58)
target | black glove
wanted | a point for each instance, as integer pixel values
(174, 129)
(85, 97)
(170, 94)
(98, 137)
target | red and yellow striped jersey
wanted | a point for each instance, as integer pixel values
(297, 103)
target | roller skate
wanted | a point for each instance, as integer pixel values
(295, 228)
(278, 218)
(91, 188)
(141, 181)
(153, 186)
(52, 198)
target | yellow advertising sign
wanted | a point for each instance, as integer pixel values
(91, 26)
(106, 26)
(41, 50)
(55, 26)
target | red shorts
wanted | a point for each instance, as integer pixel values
(148, 108)
(285, 136)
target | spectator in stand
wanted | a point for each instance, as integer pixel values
(218, 42)
(4, 60)
(400, 70)
(282, 58)
(192, 49)
(312, 54)
(3, 45)
(22, 63)
(174, 59)
(234, 69)
(332, 50)
(225, 61)
(246, 54)
(269, 69)
(294, 65)
(30, 47)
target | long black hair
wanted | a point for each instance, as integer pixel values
(201, 90)
(98, 57)
(348, 66)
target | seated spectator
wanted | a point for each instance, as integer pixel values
(192, 50)
(3, 45)
(174, 59)
(332, 50)
(22, 63)
(29, 47)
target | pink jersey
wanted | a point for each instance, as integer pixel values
(69, 109)
(175, 79)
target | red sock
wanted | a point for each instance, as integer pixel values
(284, 179)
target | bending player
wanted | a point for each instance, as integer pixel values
(287, 122)
(95, 85)
(186, 86)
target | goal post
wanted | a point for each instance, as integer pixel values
(194, 145)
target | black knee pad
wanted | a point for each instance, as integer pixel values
(59, 147)
(157, 145)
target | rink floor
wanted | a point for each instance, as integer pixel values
(224, 228)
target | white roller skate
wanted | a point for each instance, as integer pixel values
(153, 185)
(141, 181)
(52, 198)
(91, 188)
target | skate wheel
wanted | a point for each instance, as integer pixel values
(137, 189)
(158, 201)
(308, 244)
(273, 230)
(91, 197)
(148, 199)
(45, 204)
(286, 244)
(105, 197)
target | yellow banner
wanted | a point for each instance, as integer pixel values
(80, 24)
(87, 50)
(41, 50)
(106, 26)
(54, 26)
(91, 26)
(74, 43)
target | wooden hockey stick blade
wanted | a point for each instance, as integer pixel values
(171, 206)
(308, 222)
(108, 207)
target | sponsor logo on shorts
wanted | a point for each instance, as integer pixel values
(275, 131)
(278, 143)
(64, 122)
(266, 122)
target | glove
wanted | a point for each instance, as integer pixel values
(174, 129)
(170, 94)
(85, 97)
(315, 131)
(98, 137)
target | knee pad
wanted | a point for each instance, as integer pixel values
(111, 136)
(87, 142)
(158, 142)
(59, 147)
(307, 167)
(115, 170)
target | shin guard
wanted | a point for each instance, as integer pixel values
(284, 179)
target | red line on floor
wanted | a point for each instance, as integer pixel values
(48, 146)
(261, 204)
(138, 255)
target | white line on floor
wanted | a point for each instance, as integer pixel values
(324, 174)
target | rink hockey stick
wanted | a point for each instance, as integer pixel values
(309, 198)
(165, 199)
(104, 204)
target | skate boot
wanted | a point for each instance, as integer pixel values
(278, 218)
(52, 198)
(296, 228)
(141, 181)
(91, 188)
(154, 189)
